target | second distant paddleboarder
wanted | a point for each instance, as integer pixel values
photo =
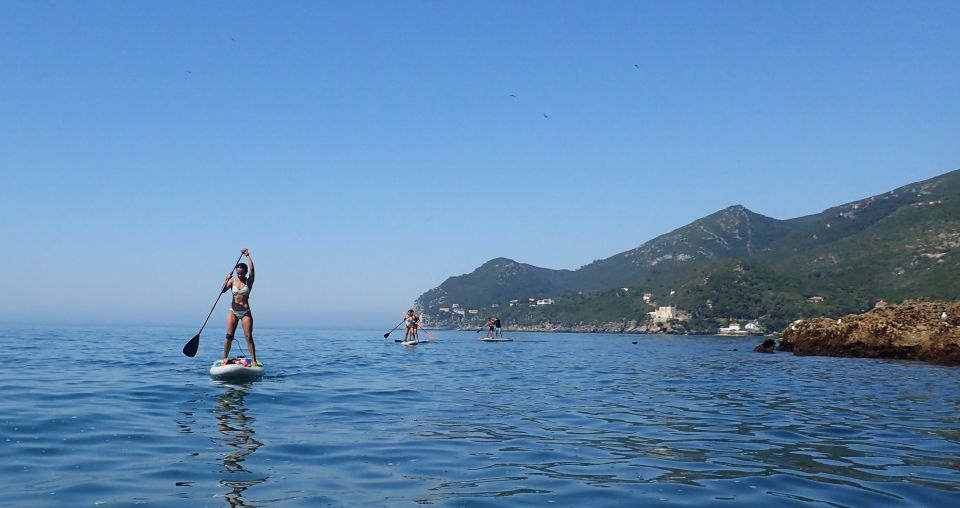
(239, 312)
(411, 321)
(490, 325)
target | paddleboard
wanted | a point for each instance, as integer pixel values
(413, 342)
(488, 339)
(238, 369)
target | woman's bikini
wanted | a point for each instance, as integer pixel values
(411, 322)
(243, 291)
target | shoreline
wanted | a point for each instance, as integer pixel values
(701, 333)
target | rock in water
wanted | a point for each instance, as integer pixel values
(767, 346)
(913, 330)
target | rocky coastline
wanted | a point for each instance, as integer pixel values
(922, 330)
(628, 327)
(612, 327)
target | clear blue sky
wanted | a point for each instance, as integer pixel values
(365, 151)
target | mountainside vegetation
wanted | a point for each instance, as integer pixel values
(733, 266)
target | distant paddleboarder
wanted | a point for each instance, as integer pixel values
(239, 312)
(411, 321)
(491, 327)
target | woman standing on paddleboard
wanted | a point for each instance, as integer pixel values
(240, 307)
(491, 323)
(412, 321)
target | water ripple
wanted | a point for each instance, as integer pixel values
(562, 419)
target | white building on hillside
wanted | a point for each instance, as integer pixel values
(732, 329)
(663, 314)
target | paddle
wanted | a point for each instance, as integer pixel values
(482, 327)
(190, 348)
(394, 328)
(417, 328)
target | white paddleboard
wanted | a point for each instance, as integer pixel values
(488, 339)
(236, 371)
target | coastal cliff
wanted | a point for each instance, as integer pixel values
(914, 330)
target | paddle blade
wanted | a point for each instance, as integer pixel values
(190, 348)
(387, 334)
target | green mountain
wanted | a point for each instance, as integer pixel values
(489, 284)
(736, 265)
(730, 233)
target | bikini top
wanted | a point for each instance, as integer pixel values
(243, 291)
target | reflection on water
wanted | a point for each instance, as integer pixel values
(236, 427)
(546, 420)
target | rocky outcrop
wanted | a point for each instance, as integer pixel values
(767, 346)
(914, 330)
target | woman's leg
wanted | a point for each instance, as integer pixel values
(248, 334)
(231, 329)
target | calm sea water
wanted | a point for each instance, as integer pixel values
(119, 417)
